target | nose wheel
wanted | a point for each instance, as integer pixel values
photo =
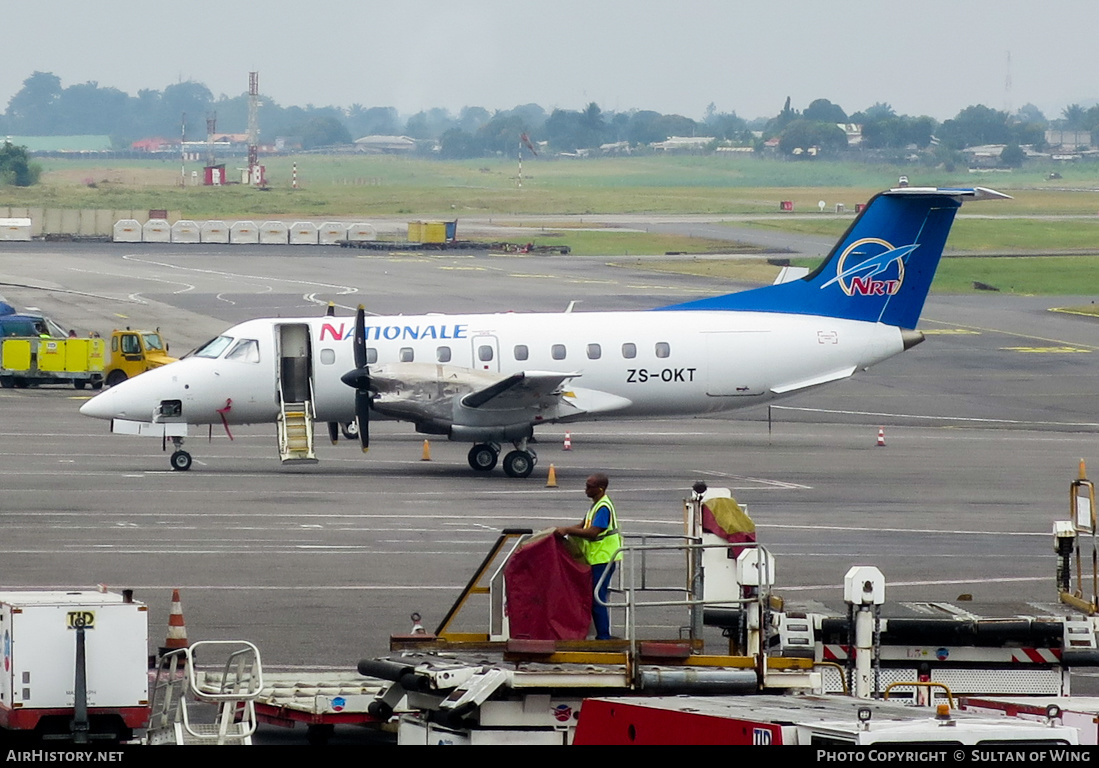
(181, 460)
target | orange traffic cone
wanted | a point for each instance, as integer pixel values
(568, 441)
(427, 452)
(881, 437)
(551, 480)
(177, 629)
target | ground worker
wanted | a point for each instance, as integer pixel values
(599, 541)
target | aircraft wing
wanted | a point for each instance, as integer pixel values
(526, 389)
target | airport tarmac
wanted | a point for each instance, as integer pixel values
(985, 424)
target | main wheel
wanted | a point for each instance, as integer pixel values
(518, 464)
(350, 430)
(483, 457)
(181, 460)
(115, 378)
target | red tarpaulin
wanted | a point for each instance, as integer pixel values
(549, 591)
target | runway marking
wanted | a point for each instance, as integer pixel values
(1013, 333)
(1047, 350)
(341, 289)
(967, 419)
(951, 332)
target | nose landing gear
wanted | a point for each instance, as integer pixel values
(180, 459)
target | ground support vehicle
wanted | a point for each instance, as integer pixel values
(75, 664)
(31, 361)
(509, 684)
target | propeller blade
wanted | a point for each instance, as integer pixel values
(360, 337)
(331, 309)
(361, 377)
(362, 417)
(334, 431)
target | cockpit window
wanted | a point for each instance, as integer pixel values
(244, 351)
(214, 348)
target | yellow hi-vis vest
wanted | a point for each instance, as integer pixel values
(605, 548)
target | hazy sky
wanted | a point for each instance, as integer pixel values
(930, 57)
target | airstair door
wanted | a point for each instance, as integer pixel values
(296, 407)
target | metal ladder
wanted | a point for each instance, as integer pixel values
(180, 688)
(295, 427)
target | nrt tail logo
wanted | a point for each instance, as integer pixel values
(873, 257)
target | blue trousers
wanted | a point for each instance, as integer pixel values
(601, 614)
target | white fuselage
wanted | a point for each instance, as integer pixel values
(635, 364)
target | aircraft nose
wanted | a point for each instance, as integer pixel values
(105, 405)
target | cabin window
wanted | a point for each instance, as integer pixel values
(521, 352)
(629, 351)
(214, 348)
(557, 351)
(484, 353)
(244, 351)
(594, 352)
(442, 354)
(407, 355)
(328, 356)
(663, 349)
(371, 355)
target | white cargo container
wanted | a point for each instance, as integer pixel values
(156, 231)
(303, 233)
(331, 232)
(15, 229)
(274, 233)
(38, 634)
(185, 231)
(127, 231)
(244, 232)
(215, 231)
(361, 231)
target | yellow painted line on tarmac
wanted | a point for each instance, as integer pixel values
(1059, 342)
(1048, 350)
(1071, 311)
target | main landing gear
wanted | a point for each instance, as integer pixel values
(180, 459)
(517, 463)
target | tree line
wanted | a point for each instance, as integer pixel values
(44, 107)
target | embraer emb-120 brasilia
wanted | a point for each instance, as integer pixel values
(491, 379)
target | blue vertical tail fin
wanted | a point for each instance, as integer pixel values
(879, 271)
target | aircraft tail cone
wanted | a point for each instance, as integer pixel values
(568, 441)
(551, 479)
(177, 629)
(881, 437)
(427, 452)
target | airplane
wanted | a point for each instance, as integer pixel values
(490, 379)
